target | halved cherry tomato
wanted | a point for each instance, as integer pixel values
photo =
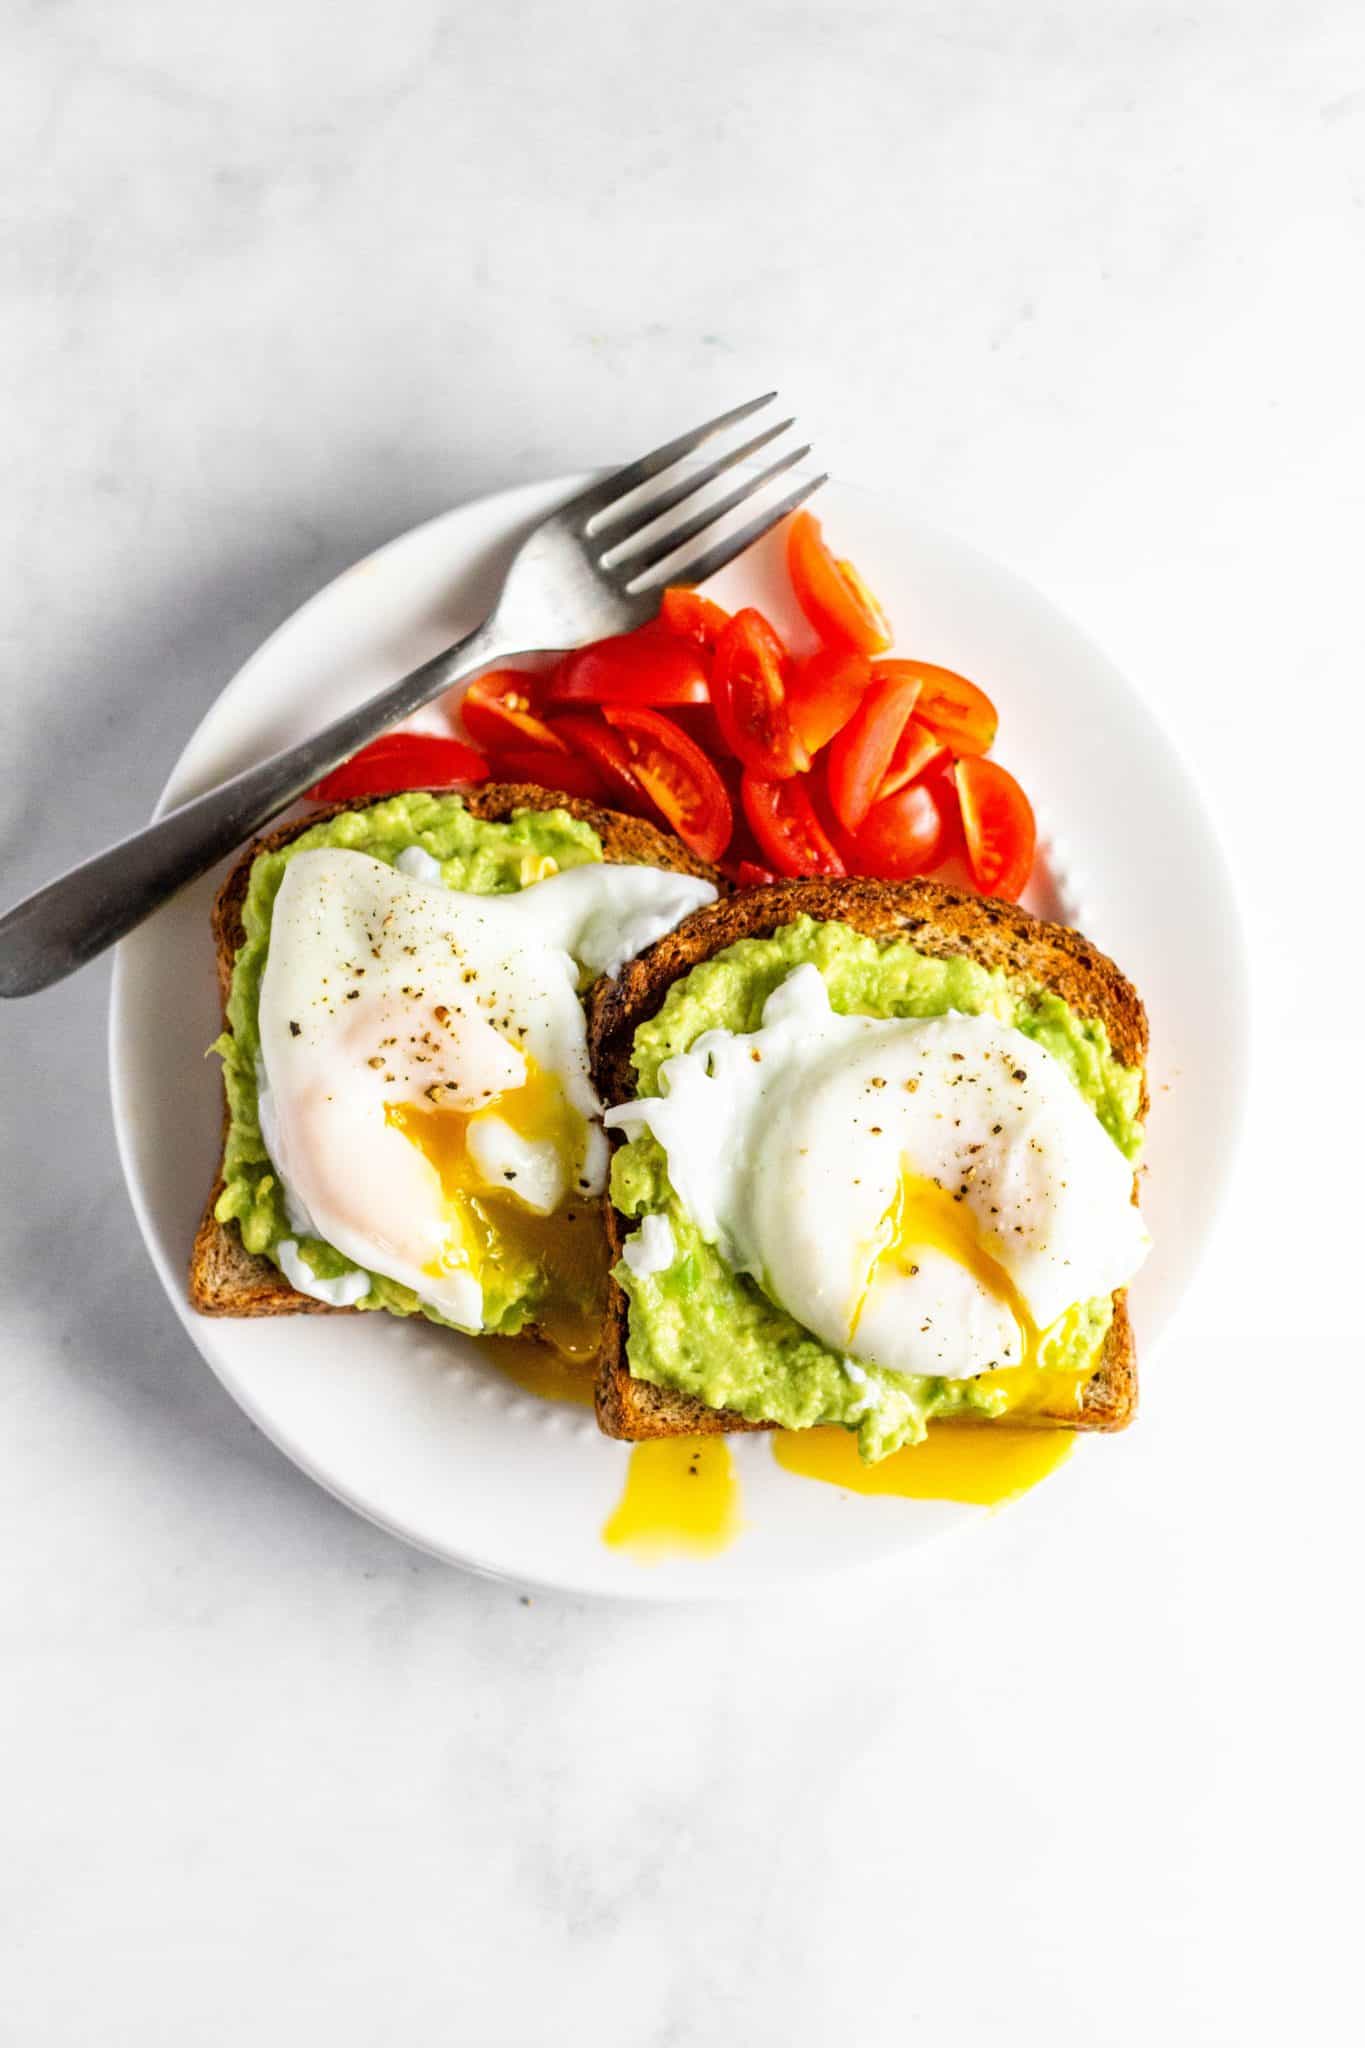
(401, 760)
(649, 666)
(693, 617)
(902, 835)
(749, 692)
(823, 695)
(832, 594)
(917, 749)
(551, 768)
(584, 733)
(786, 826)
(998, 820)
(502, 709)
(958, 712)
(676, 775)
(861, 754)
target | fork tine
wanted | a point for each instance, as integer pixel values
(666, 544)
(697, 568)
(619, 532)
(600, 496)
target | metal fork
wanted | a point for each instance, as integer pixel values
(598, 565)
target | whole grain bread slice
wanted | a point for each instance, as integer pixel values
(225, 1279)
(939, 921)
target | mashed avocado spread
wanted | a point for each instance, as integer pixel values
(485, 858)
(699, 1327)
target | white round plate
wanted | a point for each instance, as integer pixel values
(407, 1423)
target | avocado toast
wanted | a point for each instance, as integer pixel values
(225, 1277)
(1030, 965)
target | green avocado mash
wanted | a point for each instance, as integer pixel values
(488, 859)
(698, 1326)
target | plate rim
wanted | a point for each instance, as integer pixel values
(504, 505)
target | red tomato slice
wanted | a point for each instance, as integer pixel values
(551, 768)
(401, 760)
(502, 709)
(823, 695)
(676, 775)
(916, 749)
(786, 827)
(693, 617)
(649, 666)
(585, 734)
(998, 820)
(863, 751)
(959, 713)
(902, 835)
(749, 692)
(832, 594)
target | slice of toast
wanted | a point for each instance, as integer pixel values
(937, 920)
(225, 1279)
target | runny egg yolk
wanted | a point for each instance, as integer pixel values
(924, 1217)
(492, 1228)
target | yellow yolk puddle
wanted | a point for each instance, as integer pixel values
(541, 1368)
(681, 1494)
(491, 1226)
(982, 1464)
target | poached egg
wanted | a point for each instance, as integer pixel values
(425, 1094)
(929, 1195)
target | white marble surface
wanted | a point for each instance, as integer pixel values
(280, 281)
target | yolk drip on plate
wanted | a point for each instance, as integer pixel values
(493, 1226)
(979, 1464)
(681, 1494)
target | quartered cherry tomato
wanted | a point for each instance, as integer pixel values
(676, 776)
(959, 713)
(401, 760)
(824, 693)
(749, 692)
(861, 754)
(902, 835)
(831, 593)
(917, 749)
(998, 821)
(649, 666)
(575, 774)
(784, 823)
(584, 733)
(502, 709)
(693, 617)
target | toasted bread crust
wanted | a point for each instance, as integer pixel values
(224, 1278)
(941, 922)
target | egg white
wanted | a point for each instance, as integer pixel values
(383, 989)
(793, 1147)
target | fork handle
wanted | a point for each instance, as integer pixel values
(52, 933)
